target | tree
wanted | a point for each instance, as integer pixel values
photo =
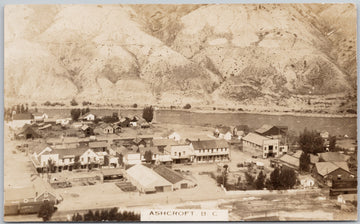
(135, 105)
(47, 103)
(148, 156)
(120, 159)
(73, 102)
(304, 162)
(260, 181)
(77, 218)
(287, 178)
(275, 178)
(187, 106)
(311, 142)
(75, 114)
(249, 180)
(46, 211)
(148, 113)
(22, 108)
(224, 182)
(51, 166)
(77, 163)
(332, 143)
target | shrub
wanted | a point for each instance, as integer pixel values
(187, 106)
(135, 105)
(73, 102)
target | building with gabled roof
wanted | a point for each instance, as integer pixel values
(19, 120)
(178, 180)
(332, 157)
(147, 180)
(329, 171)
(27, 132)
(266, 147)
(210, 151)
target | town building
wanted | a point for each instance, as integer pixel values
(175, 136)
(264, 146)
(87, 117)
(178, 180)
(27, 132)
(147, 180)
(65, 159)
(347, 198)
(333, 157)
(210, 151)
(181, 153)
(271, 131)
(28, 199)
(19, 120)
(326, 172)
(40, 117)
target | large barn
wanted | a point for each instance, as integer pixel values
(178, 180)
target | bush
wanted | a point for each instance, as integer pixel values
(85, 103)
(187, 106)
(135, 105)
(73, 102)
(351, 111)
(148, 113)
(47, 103)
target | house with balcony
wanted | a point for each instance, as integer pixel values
(208, 151)
(65, 159)
(181, 153)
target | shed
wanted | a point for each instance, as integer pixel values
(178, 180)
(147, 180)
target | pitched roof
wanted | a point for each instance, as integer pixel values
(17, 194)
(41, 186)
(64, 152)
(297, 154)
(333, 157)
(98, 144)
(255, 138)
(290, 160)
(210, 144)
(314, 159)
(325, 168)
(23, 116)
(39, 148)
(147, 177)
(266, 127)
(154, 150)
(169, 174)
(163, 142)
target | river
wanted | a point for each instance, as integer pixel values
(296, 123)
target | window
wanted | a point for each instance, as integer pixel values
(82, 159)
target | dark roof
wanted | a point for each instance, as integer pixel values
(154, 150)
(210, 144)
(266, 128)
(169, 174)
(23, 116)
(112, 171)
(27, 129)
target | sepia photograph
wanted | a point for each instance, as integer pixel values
(180, 112)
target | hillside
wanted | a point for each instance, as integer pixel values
(222, 55)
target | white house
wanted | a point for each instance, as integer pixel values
(19, 120)
(181, 153)
(175, 136)
(87, 117)
(132, 158)
(40, 116)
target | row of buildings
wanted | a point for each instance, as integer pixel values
(82, 153)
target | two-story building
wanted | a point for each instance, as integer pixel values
(59, 159)
(210, 151)
(181, 153)
(267, 147)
